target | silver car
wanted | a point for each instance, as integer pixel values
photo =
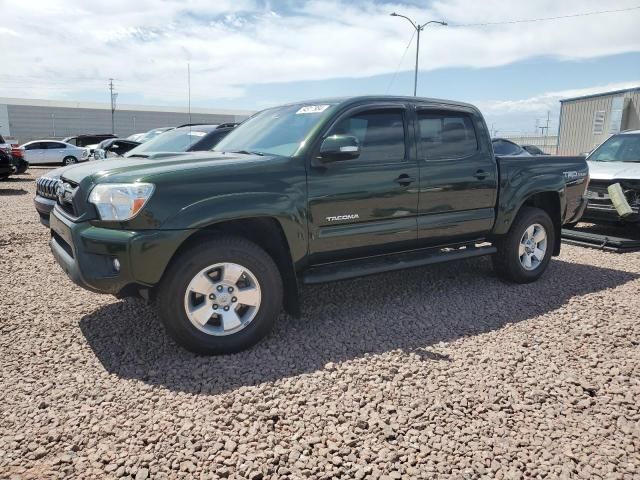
(614, 188)
(53, 152)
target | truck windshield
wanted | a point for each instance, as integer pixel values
(619, 148)
(277, 131)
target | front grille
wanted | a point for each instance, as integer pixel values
(598, 195)
(46, 187)
(66, 201)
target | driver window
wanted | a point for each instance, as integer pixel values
(380, 134)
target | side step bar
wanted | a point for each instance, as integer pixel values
(599, 241)
(331, 272)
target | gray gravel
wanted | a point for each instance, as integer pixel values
(438, 372)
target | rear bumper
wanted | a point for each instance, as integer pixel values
(87, 253)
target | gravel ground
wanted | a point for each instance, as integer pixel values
(440, 372)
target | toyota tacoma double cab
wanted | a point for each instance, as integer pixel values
(305, 193)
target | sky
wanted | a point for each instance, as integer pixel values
(251, 54)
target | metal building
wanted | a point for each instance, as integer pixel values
(587, 121)
(24, 119)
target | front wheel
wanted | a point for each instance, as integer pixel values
(220, 296)
(525, 251)
(69, 160)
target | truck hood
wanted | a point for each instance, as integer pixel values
(614, 170)
(131, 169)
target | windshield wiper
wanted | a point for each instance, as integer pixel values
(138, 155)
(247, 152)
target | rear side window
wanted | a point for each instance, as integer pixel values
(446, 135)
(53, 145)
(34, 146)
(380, 133)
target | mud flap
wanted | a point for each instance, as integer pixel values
(619, 200)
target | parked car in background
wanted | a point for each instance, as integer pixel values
(6, 164)
(135, 137)
(4, 145)
(614, 188)
(19, 161)
(38, 152)
(504, 147)
(89, 139)
(534, 150)
(113, 147)
(153, 133)
(187, 138)
(308, 193)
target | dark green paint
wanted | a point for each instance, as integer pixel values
(445, 203)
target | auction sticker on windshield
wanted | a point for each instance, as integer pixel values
(312, 109)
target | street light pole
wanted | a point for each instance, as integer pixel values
(418, 28)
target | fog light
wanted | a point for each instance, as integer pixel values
(116, 264)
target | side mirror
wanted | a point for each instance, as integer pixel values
(339, 147)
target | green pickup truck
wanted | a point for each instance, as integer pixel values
(305, 193)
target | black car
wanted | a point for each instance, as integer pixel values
(6, 165)
(185, 138)
(504, 147)
(90, 139)
(534, 150)
(113, 147)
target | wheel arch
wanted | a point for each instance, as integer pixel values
(551, 203)
(268, 234)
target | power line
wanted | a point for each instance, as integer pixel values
(531, 20)
(400, 62)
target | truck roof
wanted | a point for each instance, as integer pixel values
(381, 98)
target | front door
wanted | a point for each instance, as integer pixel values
(458, 175)
(34, 153)
(365, 205)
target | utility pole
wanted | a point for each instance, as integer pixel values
(546, 132)
(418, 28)
(113, 96)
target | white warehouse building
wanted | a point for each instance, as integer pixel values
(22, 120)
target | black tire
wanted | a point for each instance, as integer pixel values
(70, 160)
(173, 287)
(506, 261)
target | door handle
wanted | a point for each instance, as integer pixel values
(404, 180)
(481, 175)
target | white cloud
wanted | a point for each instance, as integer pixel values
(549, 100)
(57, 49)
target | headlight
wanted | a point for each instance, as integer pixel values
(120, 201)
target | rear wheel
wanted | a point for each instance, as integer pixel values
(525, 251)
(220, 296)
(69, 160)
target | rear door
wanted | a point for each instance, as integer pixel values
(54, 152)
(368, 204)
(458, 175)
